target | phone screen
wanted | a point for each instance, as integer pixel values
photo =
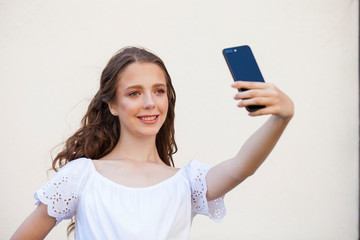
(242, 64)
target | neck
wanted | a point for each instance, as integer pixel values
(140, 149)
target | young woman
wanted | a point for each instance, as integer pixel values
(117, 175)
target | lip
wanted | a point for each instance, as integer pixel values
(141, 118)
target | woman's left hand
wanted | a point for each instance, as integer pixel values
(267, 94)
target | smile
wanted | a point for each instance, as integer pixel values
(149, 118)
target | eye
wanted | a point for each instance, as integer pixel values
(160, 91)
(133, 94)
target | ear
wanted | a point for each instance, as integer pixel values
(112, 109)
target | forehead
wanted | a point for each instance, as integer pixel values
(142, 74)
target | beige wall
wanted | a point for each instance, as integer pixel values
(52, 53)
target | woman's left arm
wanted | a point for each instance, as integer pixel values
(228, 174)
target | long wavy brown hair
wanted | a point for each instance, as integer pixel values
(100, 130)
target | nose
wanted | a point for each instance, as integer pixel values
(148, 102)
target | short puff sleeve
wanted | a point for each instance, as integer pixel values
(214, 209)
(61, 193)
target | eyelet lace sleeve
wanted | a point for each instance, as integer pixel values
(61, 193)
(215, 209)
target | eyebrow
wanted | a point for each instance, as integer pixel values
(141, 87)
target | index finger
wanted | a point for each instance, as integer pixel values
(248, 85)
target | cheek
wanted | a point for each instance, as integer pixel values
(165, 105)
(127, 107)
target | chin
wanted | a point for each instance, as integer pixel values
(149, 132)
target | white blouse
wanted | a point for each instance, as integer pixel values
(104, 209)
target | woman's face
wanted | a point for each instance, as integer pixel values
(141, 101)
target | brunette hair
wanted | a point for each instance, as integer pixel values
(100, 130)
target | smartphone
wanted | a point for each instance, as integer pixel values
(243, 67)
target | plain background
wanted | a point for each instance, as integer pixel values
(52, 54)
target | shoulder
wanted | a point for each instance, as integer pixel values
(196, 171)
(75, 169)
(195, 166)
(62, 192)
(80, 161)
(76, 163)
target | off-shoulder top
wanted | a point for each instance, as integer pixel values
(104, 209)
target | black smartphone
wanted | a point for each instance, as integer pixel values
(243, 67)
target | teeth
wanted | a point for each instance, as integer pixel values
(148, 118)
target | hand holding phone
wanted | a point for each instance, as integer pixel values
(243, 67)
